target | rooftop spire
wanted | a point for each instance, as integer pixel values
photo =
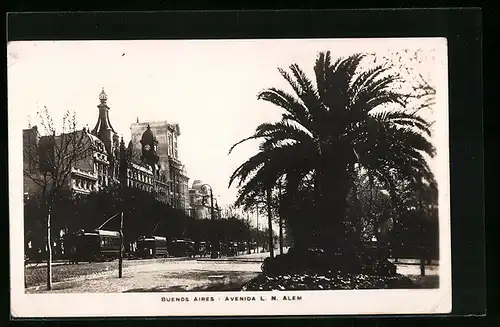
(103, 96)
(103, 128)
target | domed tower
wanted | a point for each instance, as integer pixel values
(103, 129)
(149, 147)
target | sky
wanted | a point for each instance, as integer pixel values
(209, 87)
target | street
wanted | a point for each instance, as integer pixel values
(170, 275)
(154, 275)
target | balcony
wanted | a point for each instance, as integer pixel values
(84, 174)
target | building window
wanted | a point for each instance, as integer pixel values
(170, 144)
(175, 147)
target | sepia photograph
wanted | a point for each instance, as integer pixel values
(277, 175)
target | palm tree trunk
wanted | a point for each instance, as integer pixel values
(334, 182)
(270, 224)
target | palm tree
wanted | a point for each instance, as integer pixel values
(353, 118)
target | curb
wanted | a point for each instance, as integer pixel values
(232, 260)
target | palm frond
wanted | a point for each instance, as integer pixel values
(309, 94)
(322, 65)
(279, 131)
(248, 167)
(405, 119)
(335, 95)
(290, 104)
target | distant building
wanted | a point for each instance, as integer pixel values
(200, 209)
(199, 200)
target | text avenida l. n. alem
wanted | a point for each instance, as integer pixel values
(231, 298)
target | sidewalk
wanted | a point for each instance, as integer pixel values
(413, 262)
(44, 264)
(256, 257)
(66, 262)
(252, 257)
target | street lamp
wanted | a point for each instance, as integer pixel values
(213, 254)
(258, 225)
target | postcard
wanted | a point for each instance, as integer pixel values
(229, 177)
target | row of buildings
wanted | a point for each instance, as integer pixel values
(87, 160)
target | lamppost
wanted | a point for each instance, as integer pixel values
(258, 225)
(249, 240)
(213, 254)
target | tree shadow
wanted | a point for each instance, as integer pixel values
(179, 288)
(216, 287)
(219, 287)
(228, 281)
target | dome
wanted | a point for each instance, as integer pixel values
(198, 185)
(103, 96)
(148, 136)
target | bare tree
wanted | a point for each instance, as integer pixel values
(417, 87)
(50, 164)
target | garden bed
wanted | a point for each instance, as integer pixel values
(315, 270)
(327, 281)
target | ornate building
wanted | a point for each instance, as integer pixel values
(166, 136)
(146, 163)
(199, 200)
(200, 208)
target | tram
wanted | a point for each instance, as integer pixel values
(152, 247)
(98, 245)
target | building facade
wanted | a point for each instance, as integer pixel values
(166, 135)
(199, 200)
(149, 162)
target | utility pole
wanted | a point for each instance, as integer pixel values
(270, 223)
(249, 236)
(49, 251)
(120, 258)
(213, 254)
(213, 251)
(280, 218)
(258, 227)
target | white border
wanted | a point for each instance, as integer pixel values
(312, 303)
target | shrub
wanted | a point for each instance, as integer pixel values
(317, 261)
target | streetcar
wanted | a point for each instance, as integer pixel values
(152, 247)
(98, 245)
(182, 248)
(202, 248)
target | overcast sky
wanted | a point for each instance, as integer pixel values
(209, 87)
